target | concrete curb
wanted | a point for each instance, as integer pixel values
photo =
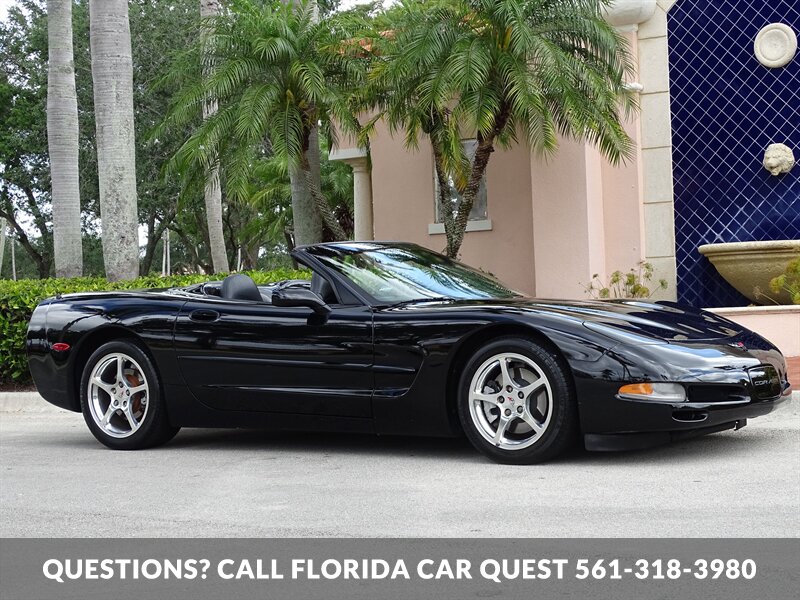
(32, 402)
(25, 402)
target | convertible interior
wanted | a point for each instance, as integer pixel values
(239, 286)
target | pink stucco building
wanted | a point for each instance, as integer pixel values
(548, 226)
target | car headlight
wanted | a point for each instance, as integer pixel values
(655, 392)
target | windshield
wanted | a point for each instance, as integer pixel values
(408, 273)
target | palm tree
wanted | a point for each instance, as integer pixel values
(308, 222)
(112, 77)
(209, 10)
(62, 140)
(280, 75)
(271, 196)
(495, 71)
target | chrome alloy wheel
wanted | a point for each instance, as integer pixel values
(510, 401)
(118, 395)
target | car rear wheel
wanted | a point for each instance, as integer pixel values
(121, 398)
(516, 403)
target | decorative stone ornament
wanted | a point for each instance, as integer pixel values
(775, 45)
(778, 159)
(628, 13)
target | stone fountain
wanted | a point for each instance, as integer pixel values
(749, 266)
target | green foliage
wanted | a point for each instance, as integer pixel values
(633, 284)
(268, 74)
(18, 299)
(500, 72)
(276, 76)
(788, 281)
(157, 31)
(25, 179)
(270, 194)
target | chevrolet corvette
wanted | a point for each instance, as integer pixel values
(394, 339)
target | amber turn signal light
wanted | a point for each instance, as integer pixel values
(656, 392)
(637, 389)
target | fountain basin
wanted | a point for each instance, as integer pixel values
(748, 266)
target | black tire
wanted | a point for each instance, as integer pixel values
(153, 428)
(558, 422)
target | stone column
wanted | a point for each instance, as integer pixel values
(656, 146)
(362, 189)
(362, 199)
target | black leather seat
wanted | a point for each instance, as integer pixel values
(323, 289)
(240, 287)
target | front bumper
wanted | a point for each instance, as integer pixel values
(610, 422)
(659, 424)
(726, 384)
(611, 442)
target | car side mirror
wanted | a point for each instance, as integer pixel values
(300, 297)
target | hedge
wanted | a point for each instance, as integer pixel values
(18, 299)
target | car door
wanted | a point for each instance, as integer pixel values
(252, 356)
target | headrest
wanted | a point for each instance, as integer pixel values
(240, 287)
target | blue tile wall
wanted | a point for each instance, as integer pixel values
(726, 109)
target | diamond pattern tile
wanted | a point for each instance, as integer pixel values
(726, 109)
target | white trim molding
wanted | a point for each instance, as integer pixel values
(476, 225)
(346, 154)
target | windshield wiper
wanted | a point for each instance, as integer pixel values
(415, 300)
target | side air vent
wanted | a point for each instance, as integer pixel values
(689, 416)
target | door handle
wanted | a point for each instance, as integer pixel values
(204, 315)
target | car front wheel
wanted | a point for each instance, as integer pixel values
(516, 403)
(121, 398)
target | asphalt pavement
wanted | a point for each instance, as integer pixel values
(57, 481)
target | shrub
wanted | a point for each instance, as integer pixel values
(788, 281)
(633, 284)
(18, 299)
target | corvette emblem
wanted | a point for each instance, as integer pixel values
(738, 345)
(766, 381)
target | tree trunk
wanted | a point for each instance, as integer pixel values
(314, 158)
(2, 243)
(250, 257)
(309, 174)
(41, 260)
(307, 222)
(45, 235)
(477, 171)
(213, 191)
(306, 219)
(112, 76)
(154, 235)
(287, 235)
(62, 141)
(216, 235)
(320, 202)
(443, 201)
(191, 250)
(150, 247)
(232, 223)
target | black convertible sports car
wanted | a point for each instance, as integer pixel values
(390, 338)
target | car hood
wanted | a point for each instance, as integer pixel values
(636, 321)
